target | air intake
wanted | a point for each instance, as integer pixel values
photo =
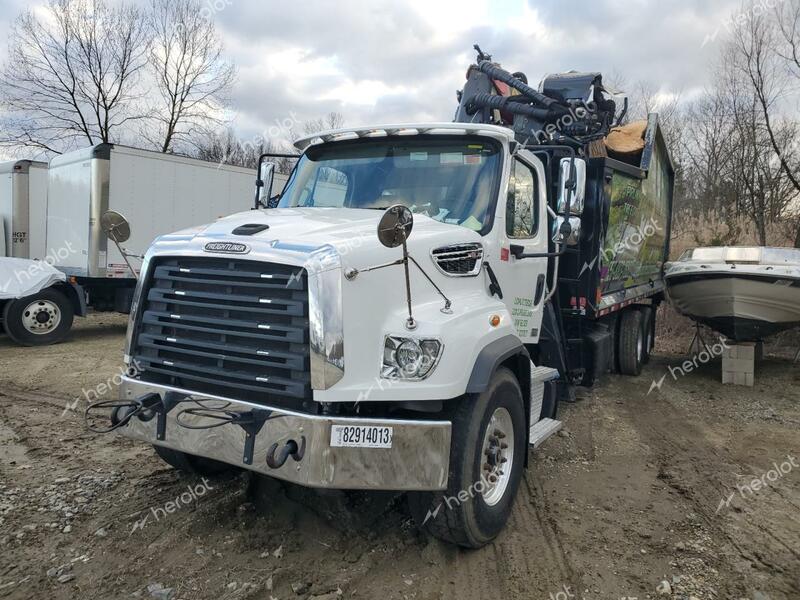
(459, 260)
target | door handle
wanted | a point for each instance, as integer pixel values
(539, 289)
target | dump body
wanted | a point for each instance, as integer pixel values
(23, 207)
(625, 231)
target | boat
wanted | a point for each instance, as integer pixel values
(746, 293)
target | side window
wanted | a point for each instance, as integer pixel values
(522, 203)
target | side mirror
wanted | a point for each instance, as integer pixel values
(395, 226)
(567, 231)
(118, 230)
(115, 226)
(264, 184)
(566, 191)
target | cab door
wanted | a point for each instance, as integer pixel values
(525, 226)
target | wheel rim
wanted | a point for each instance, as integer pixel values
(497, 456)
(41, 317)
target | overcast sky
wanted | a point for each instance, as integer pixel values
(384, 61)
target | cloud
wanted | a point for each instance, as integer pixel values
(382, 61)
(386, 61)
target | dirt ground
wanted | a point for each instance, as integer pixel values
(643, 486)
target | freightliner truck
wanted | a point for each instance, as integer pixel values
(408, 312)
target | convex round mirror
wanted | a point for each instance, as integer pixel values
(115, 226)
(395, 226)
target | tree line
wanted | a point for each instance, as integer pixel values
(736, 145)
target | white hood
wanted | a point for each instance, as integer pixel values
(351, 232)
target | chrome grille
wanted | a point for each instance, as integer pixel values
(459, 260)
(226, 327)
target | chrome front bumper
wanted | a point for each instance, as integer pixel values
(418, 459)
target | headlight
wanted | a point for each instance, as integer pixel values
(409, 358)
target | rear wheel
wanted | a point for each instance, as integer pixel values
(37, 320)
(630, 350)
(189, 463)
(486, 461)
(648, 330)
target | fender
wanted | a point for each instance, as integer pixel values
(491, 357)
(76, 295)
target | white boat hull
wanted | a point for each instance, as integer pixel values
(743, 301)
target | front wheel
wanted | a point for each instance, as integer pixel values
(486, 461)
(37, 320)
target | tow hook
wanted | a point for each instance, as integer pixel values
(122, 411)
(290, 448)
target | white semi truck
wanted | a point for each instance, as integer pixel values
(408, 311)
(156, 192)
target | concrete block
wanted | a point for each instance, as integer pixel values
(727, 377)
(738, 365)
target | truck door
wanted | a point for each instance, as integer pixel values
(524, 281)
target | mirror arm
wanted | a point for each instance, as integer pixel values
(411, 324)
(124, 256)
(447, 303)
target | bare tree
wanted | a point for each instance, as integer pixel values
(226, 148)
(71, 74)
(190, 73)
(706, 152)
(753, 54)
(333, 120)
(788, 49)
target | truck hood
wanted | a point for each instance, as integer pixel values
(351, 232)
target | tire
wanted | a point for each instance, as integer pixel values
(631, 342)
(38, 320)
(648, 330)
(188, 463)
(466, 514)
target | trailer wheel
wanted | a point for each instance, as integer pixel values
(631, 342)
(189, 463)
(37, 320)
(648, 330)
(486, 461)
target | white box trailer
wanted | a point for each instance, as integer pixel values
(157, 193)
(23, 207)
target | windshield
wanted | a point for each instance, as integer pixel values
(452, 180)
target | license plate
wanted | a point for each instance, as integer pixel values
(361, 436)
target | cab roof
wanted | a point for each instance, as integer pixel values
(502, 134)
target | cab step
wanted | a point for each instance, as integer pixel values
(542, 430)
(539, 376)
(543, 373)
